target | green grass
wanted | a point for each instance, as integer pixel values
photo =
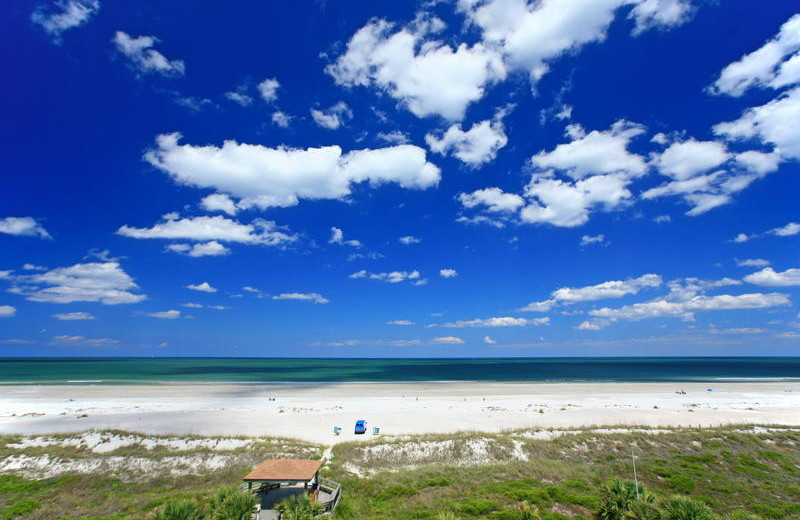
(721, 467)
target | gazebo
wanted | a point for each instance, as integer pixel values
(277, 480)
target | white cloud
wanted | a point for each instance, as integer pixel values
(282, 119)
(219, 202)
(408, 240)
(71, 14)
(738, 330)
(32, 267)
(531, 35)
(259, 231)
(772, 65)
(240, 97)
(596, 152)
(610, 289)
(505, 321)
(393, 137)
(7, 311)
(494, 199)
(792, 228)
(337, 237)
(74, 316)
(103, 282)
(488, 340)
(212, 248)
(390, 277)
(741, 237)
(267, 177)
(144, 58)
(269, 89)
(566, 204)
(772, 123)
(400, 322)
(202, 287)
(474, 147)
(164, 315)
(661, 14)
(312, 297)
(333, 117)
(685, 309)
(597, 239)
(684, 160)
(770, 278)
(448, 273)
(660, 219)
(22, 226)
(758, 162)
(752, 262)
(82, 341)
(428, 76)
(447, 340)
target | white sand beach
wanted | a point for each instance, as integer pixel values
(310, 412)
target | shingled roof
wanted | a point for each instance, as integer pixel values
(284, 470)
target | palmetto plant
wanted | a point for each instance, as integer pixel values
(299, 507)
(682, 508)
(616, 497)
(179, 510)
(526, 511)
(446, 515)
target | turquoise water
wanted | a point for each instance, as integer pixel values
(257, 370)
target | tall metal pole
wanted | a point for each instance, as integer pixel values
(635, 479)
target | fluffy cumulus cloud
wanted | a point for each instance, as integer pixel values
(601, 291)
(493, 200)
(772, 123)
(505, 321)
(307, 297)
(684, 160)
(23, 226)
(661, 14)
(337, 237)
(448, 273)
(688, 165)
(269, 89)
(774, 65)
(390, 277)
(211, 229)
(790, 229)
(219, 202)
(771, 278)
(212, 248)
(282, 119)
(683, 308)
(267, 177)
(7, 311)
(202, 287)
(474, 147)
(144, 58)
(333, 117)
(597, 169)
(533, 34)
(66, 15)
(74, 316)
(428, 76)
(103, 282)
(597, 152)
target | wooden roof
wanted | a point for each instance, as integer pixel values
(284, 470)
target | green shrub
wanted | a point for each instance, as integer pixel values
(479, 506)
(681, 483)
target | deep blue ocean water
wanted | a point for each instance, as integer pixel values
(275, 370)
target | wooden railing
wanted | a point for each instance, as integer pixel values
(332, 488)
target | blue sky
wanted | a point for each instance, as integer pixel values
(470, 178)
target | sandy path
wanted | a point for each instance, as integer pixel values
(311, 411)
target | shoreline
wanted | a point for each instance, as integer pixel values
(309, 411)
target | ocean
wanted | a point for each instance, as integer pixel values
(297, 370)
